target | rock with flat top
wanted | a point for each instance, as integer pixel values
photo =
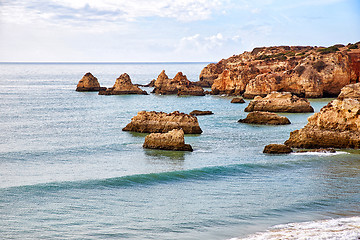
(265, 118)
(172, 140)
(160, 122)
(279, 102)
(199, 113)
(277, 149)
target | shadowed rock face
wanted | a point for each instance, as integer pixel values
(172, 140)
(179, 85)
(337, 125)
(310, 72)
(199, 113)
(279, 102)
(122, 86)
(265, 118)
(89, 83)
(238, 100)
(160, 122)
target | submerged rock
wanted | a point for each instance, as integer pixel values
(180, 85)
(172, 140)
(337, 125)
(198, 113)
(280, 102)
(238, 100)
(89, 83)
(277, 149)
(160, 122)
(320, 150)
(122, 86)
(265, 118)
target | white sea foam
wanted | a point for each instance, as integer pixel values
(320, 153)
(339, 229)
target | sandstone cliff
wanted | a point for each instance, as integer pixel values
(336, 125)
(172, 140)
(160, 122)
(179, 85)
(305, 71)
(123, 85)
(279, 102)
(89, 83)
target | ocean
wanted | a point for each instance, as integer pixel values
(68, 171)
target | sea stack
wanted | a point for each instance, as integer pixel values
(172, 140)
(89, 83)
(160, 122)
(179, 85)
(280, 102)
(337, 125)
(123, 86)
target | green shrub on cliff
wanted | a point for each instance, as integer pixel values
(331, 49)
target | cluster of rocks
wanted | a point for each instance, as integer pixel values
(167, 129)
(179, 85)
(311, 72)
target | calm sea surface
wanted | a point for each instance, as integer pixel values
(68, 171)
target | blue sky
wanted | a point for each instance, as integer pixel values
(167, 30)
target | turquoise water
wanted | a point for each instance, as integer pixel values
(68, 171)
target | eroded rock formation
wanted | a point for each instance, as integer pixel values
(265, 118)
(172, 140)
(309, 72)
(337, 124)
(279, 102)
(89, 83)
(122, 86)
(160, 122)
(179, 85)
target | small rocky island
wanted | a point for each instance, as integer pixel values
(179, 85)
(160, 122)
(89, 83)
(172, 140)
(267, 118)
(279, 102)
(122, 86)
(337, 125)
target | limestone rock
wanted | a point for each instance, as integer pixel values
(265, 118)
(277, 149)
(89, 83)
(306, 71)
(122, 86)
(350, 91)
(180, 85)
(199, 112)
(160, 122)
(279, 102)
(238, 100)
(337, 125)
(172, 140)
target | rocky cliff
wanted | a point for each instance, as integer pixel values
(336, 125)
(123, 85)
(179, 85)
(160, 122)
(302, 70)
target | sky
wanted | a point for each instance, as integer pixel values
(167, 30)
